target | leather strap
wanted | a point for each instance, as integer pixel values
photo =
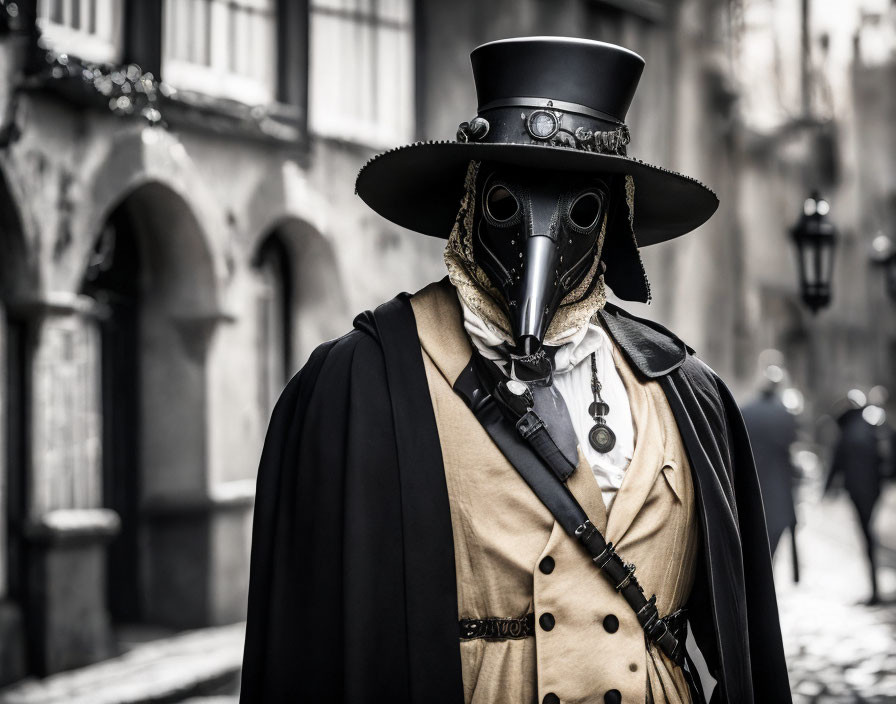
(481, 387)
(560, 501)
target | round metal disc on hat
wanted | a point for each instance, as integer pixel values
(542, 124)
(602, 438)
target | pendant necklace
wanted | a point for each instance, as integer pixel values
(600, 436)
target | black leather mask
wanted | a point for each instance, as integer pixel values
(536, 237)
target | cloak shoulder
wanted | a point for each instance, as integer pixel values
(332, 615)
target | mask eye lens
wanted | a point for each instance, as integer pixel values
(501, 204)
(585, 210)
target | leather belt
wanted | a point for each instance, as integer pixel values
(497, 628)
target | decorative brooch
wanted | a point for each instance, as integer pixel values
(472, 131)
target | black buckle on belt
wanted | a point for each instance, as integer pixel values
(497, 628)
(630, 569)
(529, 424)
(608, 554)
(648, 613)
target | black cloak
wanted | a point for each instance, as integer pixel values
(352, 593)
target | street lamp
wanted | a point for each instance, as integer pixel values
(883, 253)
(815, 237)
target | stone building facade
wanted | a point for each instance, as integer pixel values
(178, 230)
(174, 240)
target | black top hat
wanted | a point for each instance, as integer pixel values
(544, 102)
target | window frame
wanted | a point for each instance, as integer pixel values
(214, 80)
(351, 129)
(92, 47)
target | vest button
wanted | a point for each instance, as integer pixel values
(550, 698)
(546, 565)
(547, 621)
(611, 624)
(613, 697)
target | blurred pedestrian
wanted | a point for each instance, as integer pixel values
(857, 459)
(772, 429)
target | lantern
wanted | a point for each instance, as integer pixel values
(815, 238)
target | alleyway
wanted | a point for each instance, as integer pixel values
(838, 650)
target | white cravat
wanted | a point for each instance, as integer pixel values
(572, 378)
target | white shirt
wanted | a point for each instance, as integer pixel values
(572, 378)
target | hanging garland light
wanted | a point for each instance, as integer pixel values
(127, 90)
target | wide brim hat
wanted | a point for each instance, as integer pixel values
(550, 103)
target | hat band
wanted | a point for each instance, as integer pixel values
(551, 105)
(547, 126)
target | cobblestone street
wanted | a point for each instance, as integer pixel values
(838, 649)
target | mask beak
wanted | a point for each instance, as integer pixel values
(536, 295)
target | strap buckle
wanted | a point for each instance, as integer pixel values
(630, 570)
(608, 554)
(648, 614)
(529, 424)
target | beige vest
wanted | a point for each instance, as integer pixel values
(502, 534)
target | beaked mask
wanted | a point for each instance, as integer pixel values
(536, 237)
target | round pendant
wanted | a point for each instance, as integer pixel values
(598, 408)
(602, 438)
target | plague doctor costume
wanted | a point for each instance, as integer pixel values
(503, 488)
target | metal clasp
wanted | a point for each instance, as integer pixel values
(630, 568)
(529, 424)
(608, 554)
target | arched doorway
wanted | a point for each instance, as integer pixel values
(317, 305)
(113, 280)
(150, 272)
(272, 270)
